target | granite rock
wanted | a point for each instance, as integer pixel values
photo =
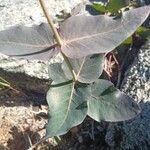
(29, 12)
(135, 133)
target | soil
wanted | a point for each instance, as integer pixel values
(21, 120)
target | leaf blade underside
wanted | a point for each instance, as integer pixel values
(109, 104)
(34, 42)
(85, 35)
(64, 102)
(87, 69)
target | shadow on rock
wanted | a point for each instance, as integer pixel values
(11, 98)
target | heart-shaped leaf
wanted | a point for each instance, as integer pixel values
(85, 35)
(87, 69)
(64, 99)
(34, 42)
(109, 104)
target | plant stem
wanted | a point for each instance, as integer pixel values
(5, 84)
(57, 36)
(48, 17)
(3, 80)
(58, 139)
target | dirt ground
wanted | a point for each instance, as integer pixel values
(21, 123)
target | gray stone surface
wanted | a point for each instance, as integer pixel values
(27, 75)
(135, 134)
(137, 83)
(29, 12)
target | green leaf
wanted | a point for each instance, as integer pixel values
(114, 6)
(65, 103)
(87, 69)
(109, 104)
(57, 74)
(83, 105)
(128, 41)
(143, 32)
(64, 110)
(109, 90)
(99, 7)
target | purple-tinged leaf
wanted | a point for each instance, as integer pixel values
(35, 42)
(85, 35)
